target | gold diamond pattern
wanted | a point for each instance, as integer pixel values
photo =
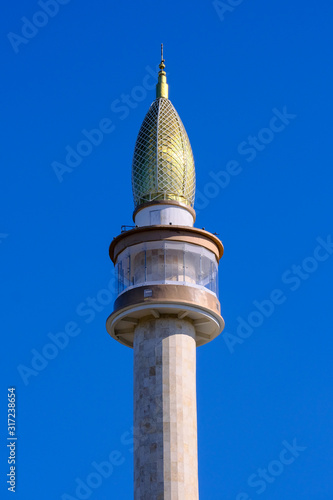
(163, 164)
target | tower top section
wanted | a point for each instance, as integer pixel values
(163, 165)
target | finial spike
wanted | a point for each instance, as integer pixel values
(162, 86)
(162, 65)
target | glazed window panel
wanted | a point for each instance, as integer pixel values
(138, 268)
(204, 271)
(192, 264)
(155, 265)
(174, 264)
(123, 272)
(167, 262)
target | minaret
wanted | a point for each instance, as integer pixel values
(167, 303)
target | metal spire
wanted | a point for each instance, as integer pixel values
(162, 88)
(162, 65)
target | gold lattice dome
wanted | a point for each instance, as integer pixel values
(163, 164)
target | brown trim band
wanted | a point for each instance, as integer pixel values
(168, 294)
(187, 303)
(184, 234)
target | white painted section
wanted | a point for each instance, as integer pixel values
(155, 217)
(164, 214)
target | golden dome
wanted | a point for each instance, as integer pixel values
(163, 164)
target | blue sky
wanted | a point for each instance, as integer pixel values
(252, 82)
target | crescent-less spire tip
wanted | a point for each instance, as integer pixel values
(162, 88)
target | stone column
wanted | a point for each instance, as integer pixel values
(165, 414)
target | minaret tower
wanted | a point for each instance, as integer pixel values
(167, 303)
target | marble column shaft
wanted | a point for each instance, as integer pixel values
(165, 414)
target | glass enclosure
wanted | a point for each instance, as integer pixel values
(169, 262)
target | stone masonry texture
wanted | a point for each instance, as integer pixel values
(165, 414)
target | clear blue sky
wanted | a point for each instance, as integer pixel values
(253, 86)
